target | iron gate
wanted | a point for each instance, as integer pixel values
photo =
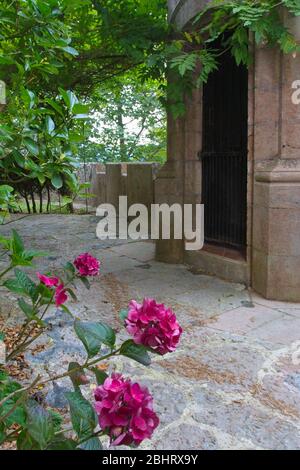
(224, 155)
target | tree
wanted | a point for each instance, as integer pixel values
(128, 123)
(39, 126)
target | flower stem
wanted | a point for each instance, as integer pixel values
(87, 365)
(6, 271)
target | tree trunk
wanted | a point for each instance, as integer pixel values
(33, 203)
(41, 201)
(27, 204)
(121, 127)
(48, 199)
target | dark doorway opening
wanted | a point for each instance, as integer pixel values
(224, 155)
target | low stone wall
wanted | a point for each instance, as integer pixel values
(111, 180)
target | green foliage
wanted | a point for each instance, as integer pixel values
(128, 122)
(244, 20)
(38, 125)
(93, 335)
(83, 416)
(136, 352)
(7, 201)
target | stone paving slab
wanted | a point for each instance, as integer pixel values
(234, 382)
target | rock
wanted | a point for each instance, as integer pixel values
(56, 397)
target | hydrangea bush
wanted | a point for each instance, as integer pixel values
(122, 410)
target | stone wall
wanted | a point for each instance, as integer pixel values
(109, 181)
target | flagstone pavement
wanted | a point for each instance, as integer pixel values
(234, 382)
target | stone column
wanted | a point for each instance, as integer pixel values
(169, 187)
(276, 199)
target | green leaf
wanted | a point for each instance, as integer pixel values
(83, 416)
(49, 124)
(2, 433)
(92, 444)
(17, 416)
(31, 146)
(123, 315)
(13, 286)
(85, 282)
(72, 294)
(55, 106)
(67, 310)
(137, 352)
(93, 335)
(25, 442)
(27, 309)
(70, 50)
(61, 443)
(26, 284)
(17, 243)
(69, 98)
(30, 254)
(57, 181)
(101, 376)
(39, 424)
(57, 420)
(80, 109)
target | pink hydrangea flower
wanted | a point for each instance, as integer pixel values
(87, 265)
(60, 295)
(48, 281)
(125, 411)
(153, 325)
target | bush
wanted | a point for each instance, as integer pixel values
(122, 410)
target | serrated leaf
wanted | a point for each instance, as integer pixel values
(39, 424)
(83, 416)
(13, 286)
(61, 443)
(92, 444)
(26, 284)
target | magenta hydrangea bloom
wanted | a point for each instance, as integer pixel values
(60, 295)
(87, 265)
(125, 411)
(153, 325)
(48, 281)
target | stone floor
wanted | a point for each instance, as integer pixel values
(234, 382)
